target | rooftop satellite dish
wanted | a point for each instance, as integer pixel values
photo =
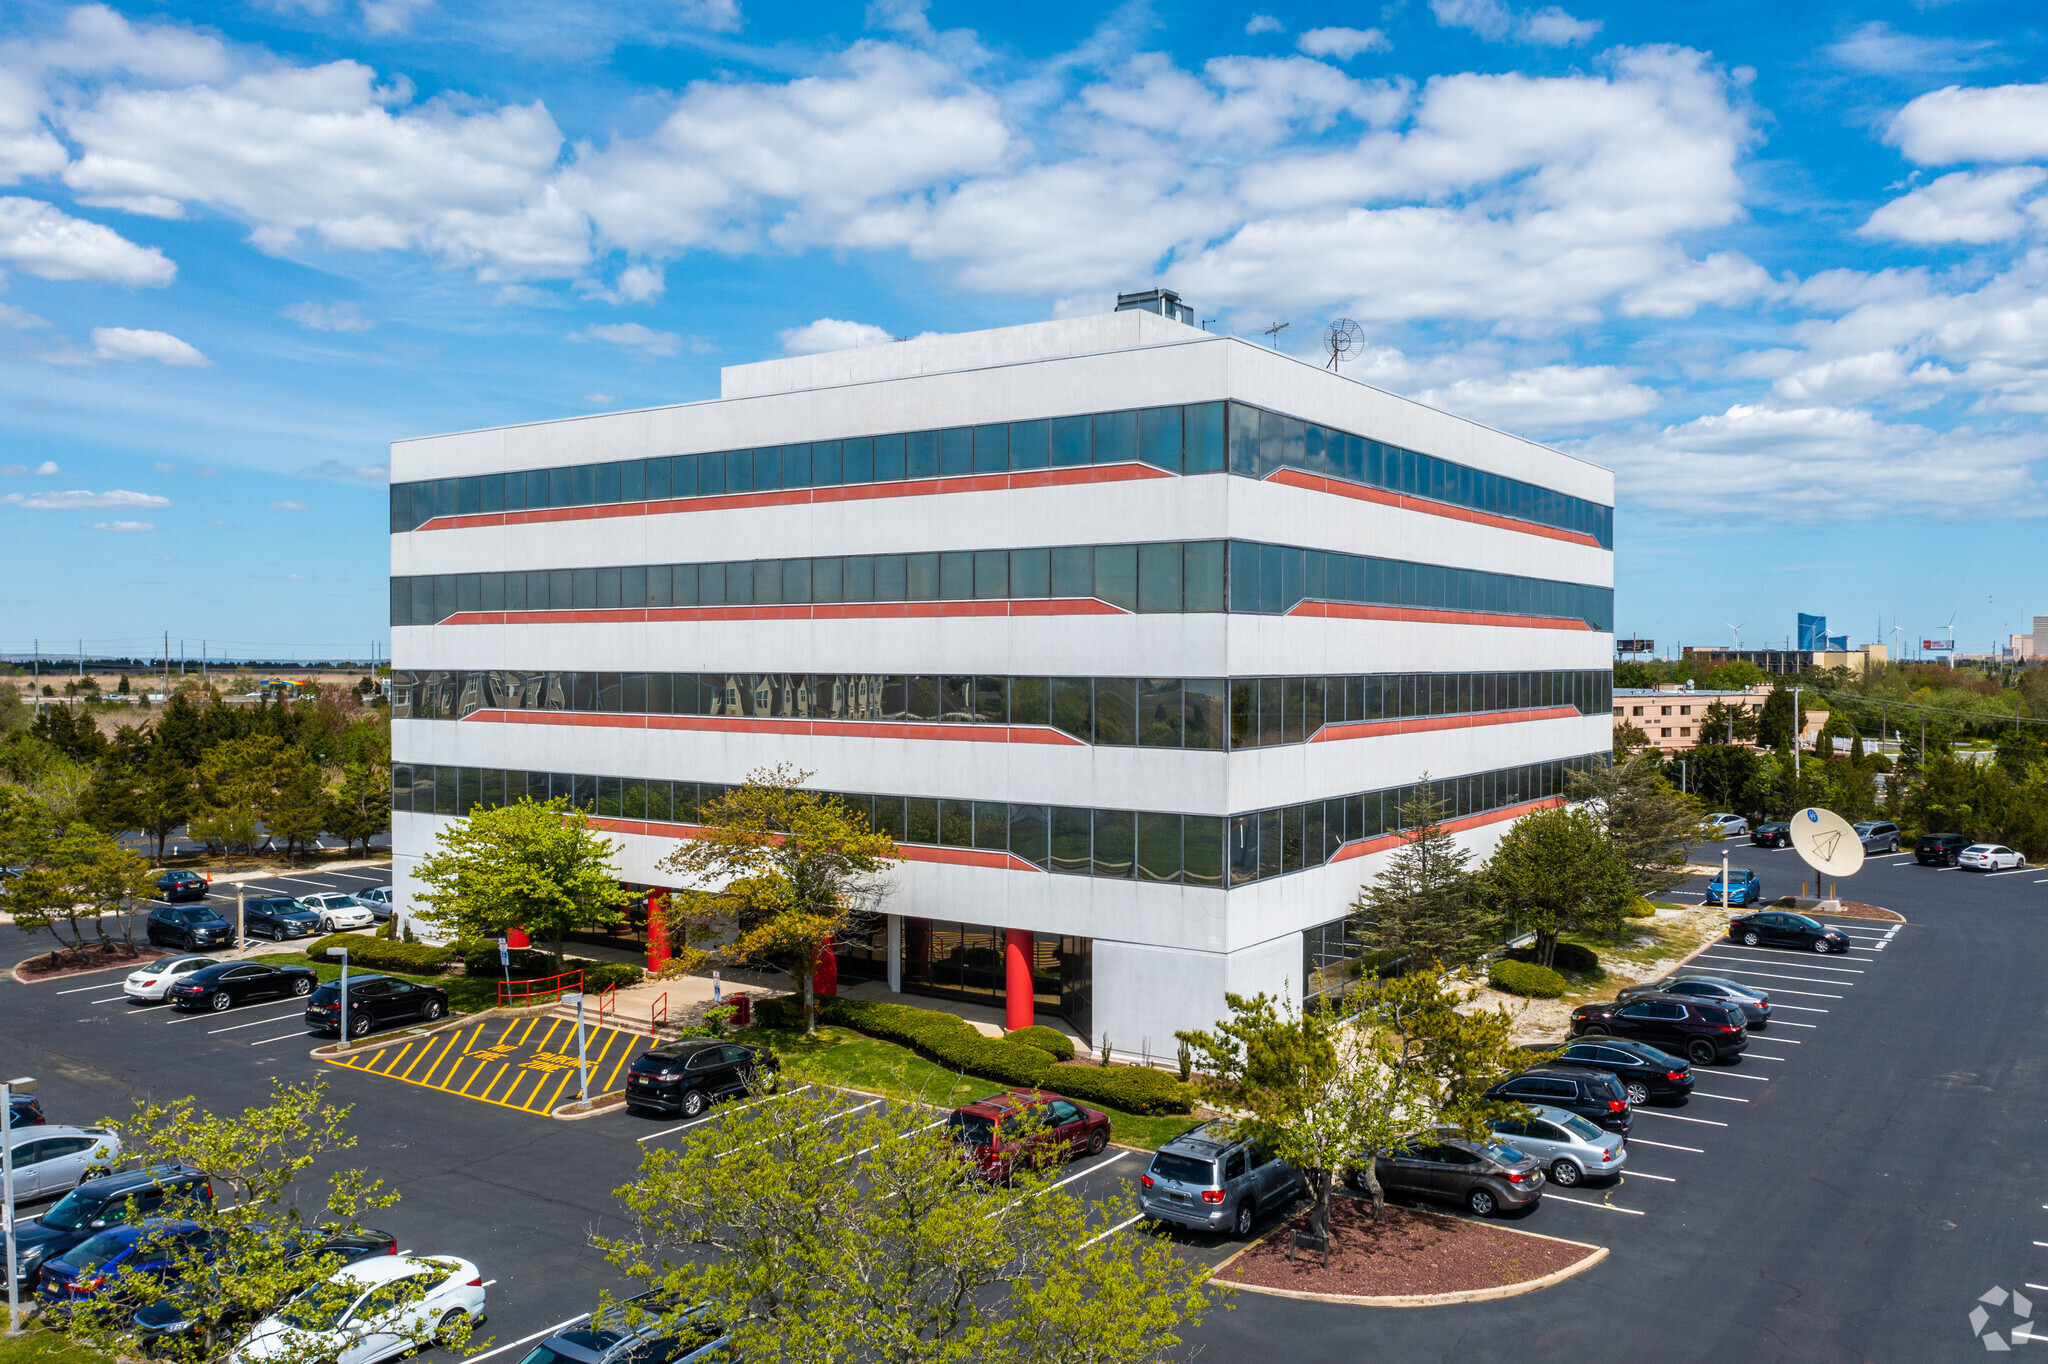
(1827, 842)
(1343, 339)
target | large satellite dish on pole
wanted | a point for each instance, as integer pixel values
(1827, 842)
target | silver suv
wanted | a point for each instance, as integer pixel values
(1207, 1179)
(1878, 836)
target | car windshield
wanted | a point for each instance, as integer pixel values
(971, 1129)
(541, 1354)
(1803, 922)
(1579, 1127)
(327, 994)
(320, 1307)
(72, 1211)
(1183, 1169)
(163, 964)
(95, 1251)
(1500, 1153)
(1655, 1056)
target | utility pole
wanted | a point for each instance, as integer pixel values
(1275, 330)
(167, 667)
(1796, 727)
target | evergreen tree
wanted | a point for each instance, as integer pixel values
(361, 809)
(1647, 818)
(1557, 872)
(1420, 906)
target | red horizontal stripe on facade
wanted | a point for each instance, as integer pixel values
(823, 729)
(1385, 841)
(1317, 483)
(909, 852)
(1424, 724)
(1354, 611)
(797, 497)
(857, 610)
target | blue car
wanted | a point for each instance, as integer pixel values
(1742, 889)
(99, 1264)
(278, 917)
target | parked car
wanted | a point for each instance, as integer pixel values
(278, 917)
(24, 1110)
(99, 1203)
(374, 1309)
(1727, 826)
(337, 912)
(1742, 888)
(1592, 1094)
(1025, 1127)
(1754, 1003)
(1780, 928)
(1207, 1179)
(179, 884)
(1645, 1072)
(1879, 836)
(1772, 835)
(609, 1340)
(229, 983)
(377, 899)
(154, 981)
(1571, 1149)
(51, 1159)
(1486, 1176)
(1939, 850)
(1703, 1032)
(373, 1001)
(1989, 857)
(193, 928)
(103, 1262)
(171, 1315)
(686, 1076)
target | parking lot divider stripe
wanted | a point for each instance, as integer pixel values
(422, 1053)
(617, 1066)
(455, 1042)
(1665, 1145)
(502, 1072)
(392, 1064)
(1678, 1117)
(1585, 1203)
(1805, 964)
(544, 1105)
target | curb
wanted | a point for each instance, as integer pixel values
(1512, 1290)
(15, 972)
(611, 1101)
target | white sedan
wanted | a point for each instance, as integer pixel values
(1989, 857)
(155, 980)
(338, 912)
(1727, 826)
(377, 1308)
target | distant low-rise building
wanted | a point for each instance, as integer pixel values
(1790, 662)
(1672, 715)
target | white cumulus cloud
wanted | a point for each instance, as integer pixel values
(329, 317)
(288, 506)
(830, 333)
(1496, 23)
(1342, 43)
(78, 498)
(630, 336)
(123, 526)
(48, 468)
(1995, 123)
(1963, 206)
(131, 343)
(44, 241)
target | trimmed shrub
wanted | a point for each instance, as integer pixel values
(1134, 1089)
(1641, 909)
(480, 958)
(384, 954)
(1051, 1041)
(1525, 978)
(1569, 956)
(599, 974)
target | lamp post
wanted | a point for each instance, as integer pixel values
(342, 952)
(1796, 727)
(582, 1066)
(1724, 880)
(8, 1089)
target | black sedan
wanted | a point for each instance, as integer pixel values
(684, 1076)
(1754, 1003)
(1704, 1032)
(372, 1002)
(239, 982)
(1776, 928)
(278, 917)
(179, 884)
(1771, 835)
(24, 1110)
(1645, 1072)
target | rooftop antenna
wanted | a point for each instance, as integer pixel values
(1738, 634)
(1275, 330)
(1342, 338)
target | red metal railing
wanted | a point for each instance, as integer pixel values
(608, 1004)
(520, 994)
(657, 1014)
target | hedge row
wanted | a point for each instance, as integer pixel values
(1526, 979)
(1569, 956)
(950, 1042)
(425, 959)
(386, 954)
(1051, 1041)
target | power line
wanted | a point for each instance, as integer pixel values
(1978, 716)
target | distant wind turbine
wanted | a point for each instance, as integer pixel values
(1736, 630)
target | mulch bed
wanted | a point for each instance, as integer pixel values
(1852, 909)
(50, 965)
(1406, 1252)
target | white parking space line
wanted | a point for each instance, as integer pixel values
(1664, 1145)
(1724, 1098)
(237, 1027)
(544, 1331)
(1763, 1056)
(82, 989)
(304, 881)
(696, 1122)
(1129, 1222)
(1627, 1175)
(201, 1018)
(1738, 1075)
(832, 1117)
(1604, 1207)
(108, 1000)
(1804, 966)
(1802, 1008)
(878, 1145)
(2014, 871)
(1804, 980)
(1677, 1117)
(2043, 1287)
(1789, 1023)
(281, 1037)
(1061, 1184)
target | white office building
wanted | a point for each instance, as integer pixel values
(1133, 635)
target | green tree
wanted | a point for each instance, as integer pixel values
(1777, 724)
(1629, 737)
(237, 780)
(361, 808)
(72, 877)
(1452, 1052)
(297, 807)
(1420, 905)
(1314, 1089)
(15, 714)
(1556, 872)
(165, 795)
(791, 868)
(815, 1234)
(1647, 818)
(536, 865)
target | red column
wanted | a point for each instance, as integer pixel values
(1017, 993)
(657, 931)
(825, 976)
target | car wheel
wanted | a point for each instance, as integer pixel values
(326, 925)
(1700, 1051)
(1820, 945)
(1750, 939)
(1596, 1030)
(302, 985)
(432, 1011)
(1241, 1225)
(1564, 1173)
(694, 1104)
(447, 1332)
(1895, 845)
(219, 1000)
(1482, 1202)
(1638, 1092)
(1097, 1142)
(359, 1026)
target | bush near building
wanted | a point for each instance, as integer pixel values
(1525, 978)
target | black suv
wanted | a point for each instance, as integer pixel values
(278, 917)
(1699, 1029)
(1645, 1072)
(1593, 1095)
(98, 1204)
(192, 927)
(374, 1001)
(684, 1076)
(1939, 850)
(180, 884)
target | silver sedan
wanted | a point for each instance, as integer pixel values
(1571, 1148)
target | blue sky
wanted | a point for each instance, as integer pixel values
(1780, 266)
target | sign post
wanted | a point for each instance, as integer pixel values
(342, 952)
(582, 1065)
(8, 1089)
(505, 960)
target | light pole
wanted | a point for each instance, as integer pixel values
(1724, 881)
(342, 952)
(1796, 727)
(582, 1066)
(8, 1089)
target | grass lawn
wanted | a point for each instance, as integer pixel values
(840, 1056)
(466, 994)
(43, 1347)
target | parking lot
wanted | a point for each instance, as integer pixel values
(530, 1064)
(1846, 1191)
